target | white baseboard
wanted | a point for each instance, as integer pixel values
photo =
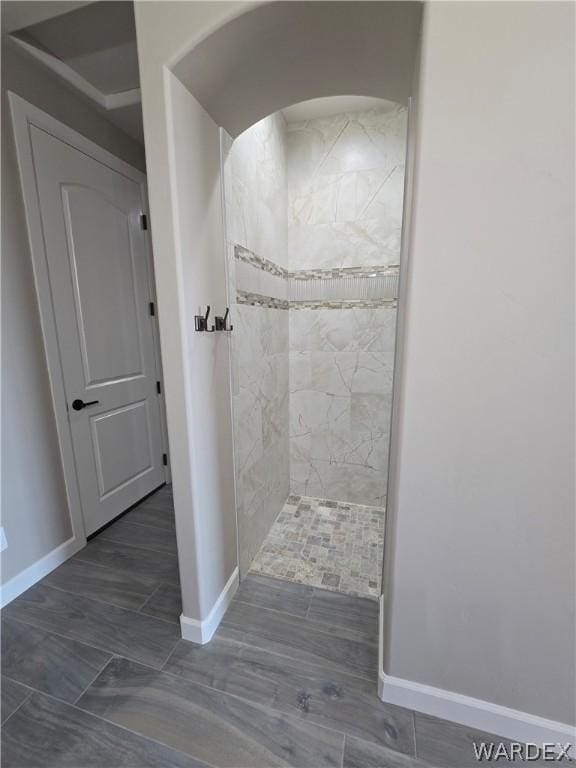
(201, 632)
(474, 713)
(31, 575)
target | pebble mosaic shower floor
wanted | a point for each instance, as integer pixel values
(327, 544)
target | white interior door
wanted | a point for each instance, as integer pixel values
(101, 292)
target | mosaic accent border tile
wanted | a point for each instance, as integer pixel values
(348, 288)
(335, 288)
(243, 254)
(326, 274)
(249, 257)
(344, 304)
(323, 543)
(259, 300)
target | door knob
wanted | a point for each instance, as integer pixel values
(79, 404)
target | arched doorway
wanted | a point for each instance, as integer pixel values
(228, 80)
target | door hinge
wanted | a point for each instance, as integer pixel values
(152, 308)
(143, 221)
(165, 459)
(158, 387)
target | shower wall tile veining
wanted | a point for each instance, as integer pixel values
(345, 189)
(314, 212)
(256, 223)
(341, 365)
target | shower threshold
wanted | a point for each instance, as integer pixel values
(329, 544)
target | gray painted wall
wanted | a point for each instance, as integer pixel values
(200, 426)
(34, 507)
(480, 584)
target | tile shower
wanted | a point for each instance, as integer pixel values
(313, 222)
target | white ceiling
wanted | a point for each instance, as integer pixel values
(330, 105)
(96, 41)
(17, 15)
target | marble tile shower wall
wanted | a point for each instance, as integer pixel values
(256, 219)
(345, 189)
(311, 384)
(345, 194)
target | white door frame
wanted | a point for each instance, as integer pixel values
(25, 115)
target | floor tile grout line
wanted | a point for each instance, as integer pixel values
(414, 733)
(95, 599)
(172, 652)
(150, 502)
(31, 692)
(30, 688)
(113, 605)
(104, 537)
(130, 546)
(114, 568)
(128, 730)
(124, 518)
(319, 624)
(74, 558)
(145, 603)
(258, 705)
(96, 676)
(316, 666)
(335, 590)
(276, 610)
(56, 634)
(326, 666)
(89, 645)
(146, 737)
(271, 708)
(119, 571)
(152, 508)
(281, 580)
(78, 556)
(148, 526)
(238, 599)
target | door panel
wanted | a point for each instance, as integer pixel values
(122, 443)
(103, 276)
(101, 291)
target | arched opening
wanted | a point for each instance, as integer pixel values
(283, 53)
(247, 70)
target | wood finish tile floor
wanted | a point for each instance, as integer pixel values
(95, 675)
